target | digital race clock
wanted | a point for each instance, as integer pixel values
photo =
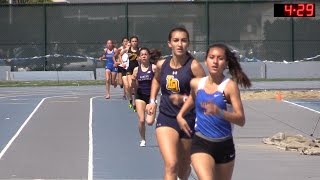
(295, 10)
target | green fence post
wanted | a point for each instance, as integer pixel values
(45, 36)
(127, 19)
(208, 24)
(292, 39)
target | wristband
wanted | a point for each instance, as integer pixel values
(153, 101)
(185, 98)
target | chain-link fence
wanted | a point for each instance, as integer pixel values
(72, 36)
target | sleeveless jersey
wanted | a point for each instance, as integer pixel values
(145, 79)
(133, 56)
(109, 58)
(212, 126)
(175, 81)
(125, 59)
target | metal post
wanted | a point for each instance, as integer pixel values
(127, 19)
(315, 127)
(10, 12)
(45, 38)
(292, 39)
(208, 24)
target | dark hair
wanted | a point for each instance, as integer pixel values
(144, 48)
(124, 39)
(109, 40)
(234, 66)
(181, 29)
(155, 55)
(132, 37)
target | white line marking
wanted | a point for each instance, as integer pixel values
(90, 158)
(24, 124)
(301, 106)
(20, 129)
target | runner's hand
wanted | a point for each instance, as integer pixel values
(116, 64)
(210, 108)
(151, 108)
(184, 125)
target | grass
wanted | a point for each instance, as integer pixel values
(102, 82)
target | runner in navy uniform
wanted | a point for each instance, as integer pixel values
(173, 76)
(143, 75)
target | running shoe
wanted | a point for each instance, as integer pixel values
(130, 105)
(134, 108)
(142, 143)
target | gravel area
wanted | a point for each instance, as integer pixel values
(271, 94)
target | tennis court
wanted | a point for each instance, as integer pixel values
(74, 133)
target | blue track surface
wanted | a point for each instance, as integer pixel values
(312, 104)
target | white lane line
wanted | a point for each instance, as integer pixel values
(90, 158)
(301, 106)
(23, 125)
(20, 129)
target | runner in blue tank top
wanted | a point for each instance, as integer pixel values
(173, 76)
(218, 106)
(109, 60)
(110, 64)
(143, 74)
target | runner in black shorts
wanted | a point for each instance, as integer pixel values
(173, 76)
(121, 70)
(133, 53)
(218, 106)
(143, 75)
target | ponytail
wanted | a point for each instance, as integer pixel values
(235, 69)
(155, 55)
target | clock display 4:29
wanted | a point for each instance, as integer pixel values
(294, 10)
